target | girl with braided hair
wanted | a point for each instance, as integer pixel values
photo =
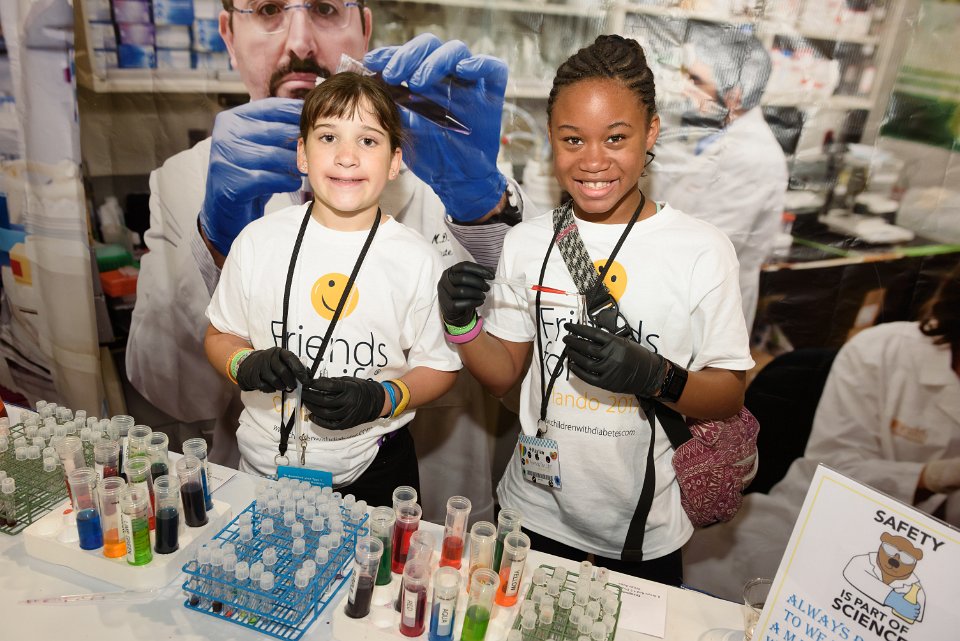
(591, 476)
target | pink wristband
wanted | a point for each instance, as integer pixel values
(469, 336)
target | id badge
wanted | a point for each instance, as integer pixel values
(540, 461)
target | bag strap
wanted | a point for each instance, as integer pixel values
(598, 297)
(674, 425)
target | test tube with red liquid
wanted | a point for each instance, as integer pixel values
(413, 612)
(408, 520)
(366, 564)
(106, 458)
(458, 512)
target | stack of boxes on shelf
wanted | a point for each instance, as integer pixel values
(155, 34)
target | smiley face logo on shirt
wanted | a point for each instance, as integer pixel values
(326, 294)
(616, 278)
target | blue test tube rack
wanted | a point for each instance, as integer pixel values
(286, 612)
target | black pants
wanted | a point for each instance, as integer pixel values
(394, 465)
(666, 569)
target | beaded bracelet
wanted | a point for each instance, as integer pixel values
(387, 385)
(404, 397)
(468, 336)
(455, 330)
(233, 363)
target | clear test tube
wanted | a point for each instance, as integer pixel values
(114, 545)
(198, 447)
(106, 458)
(157, 451)
(516, 545)
(366, 564)
(70, 451)
(404, 495)
(408, 521)
(381, 526)
(135, 522)
(166, 492)
(83, 489)
(120, 425)
(138, 475)
(483, 542)
(190, 473)
(507, 521)
(137, 438)
(413, 611)
(446, 587)
(483, 588)
(454, 531)
(8, 504)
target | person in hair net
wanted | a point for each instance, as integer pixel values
(726, 166)
(200, 199)
(889, 417)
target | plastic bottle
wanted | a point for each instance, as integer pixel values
(112, 228)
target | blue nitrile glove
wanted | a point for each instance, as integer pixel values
(253, 155)
(461, 169)
(904, 608)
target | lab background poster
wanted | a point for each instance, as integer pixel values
(925, 104)
(861, 566)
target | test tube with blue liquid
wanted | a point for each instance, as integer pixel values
(446, 587)
(190, 473)
(83, 488)
(166, 490)
(198, 447)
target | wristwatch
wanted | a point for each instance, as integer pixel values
(673, 383)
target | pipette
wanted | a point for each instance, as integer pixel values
(128, 596)
(519, 284)
(404, 97)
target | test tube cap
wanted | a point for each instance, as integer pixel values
(266, 526)
(566, 600)
(49, 464)
(266, 581)
(299, 545)
(301, 579)
(229, 548)
(203, 556)
(245, 518)
(540, 576)
(289, 518)
(229, 562)
(246, 533)
(310, 567)
(269, 556)
(546, 615)
(349, 500)
(296, 530)
(322, 556)
(242, 571)
(610, 603)
(9, 486)
(316, 524)
(256, 571)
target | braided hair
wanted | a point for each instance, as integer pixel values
(610, 56)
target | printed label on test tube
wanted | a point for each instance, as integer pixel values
(446, 587)
(515, 548)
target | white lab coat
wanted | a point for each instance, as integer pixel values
(166, 362)
(890, 405)
(737, 183)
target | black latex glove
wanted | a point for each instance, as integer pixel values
(612, 362)
(271, 370)
(461, 290)
(343, 402)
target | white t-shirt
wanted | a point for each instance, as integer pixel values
(676, 279)
(389, 325)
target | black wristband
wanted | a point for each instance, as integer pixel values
(673, 383)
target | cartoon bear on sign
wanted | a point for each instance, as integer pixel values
(887, 576)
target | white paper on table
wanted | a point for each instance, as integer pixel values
(643, 608)
(217, 476)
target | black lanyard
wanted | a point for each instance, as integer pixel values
(546, 391)
(286, 427)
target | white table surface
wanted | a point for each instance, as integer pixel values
(691, 616)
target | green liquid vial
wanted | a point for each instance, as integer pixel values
(383, 572)
(475, 622)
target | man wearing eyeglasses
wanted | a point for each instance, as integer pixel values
(731, 171)
(452, 194)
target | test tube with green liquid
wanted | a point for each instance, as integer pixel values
(381, 526)
(507, 521)
(483, 589)
(135, 508)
